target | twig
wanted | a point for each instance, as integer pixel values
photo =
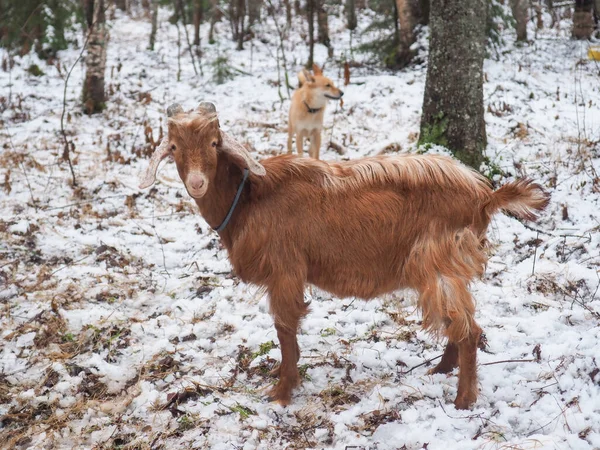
(281, 33)
(537, 240)
(509, 361)
(420, 365)
(162, 248)
(179, 6)
(67, 148)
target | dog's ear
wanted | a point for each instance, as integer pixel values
(307, 77)
(317, 70)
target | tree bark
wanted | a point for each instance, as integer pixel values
(94, 98)
(254, 7)
(453, 113)
(519, 10)
(288, 12)
(310, 15)
(197, 21)
(323, 27)
(583, 19)
(351, 14)
(154, 24)
(215, 16)
(407, 19)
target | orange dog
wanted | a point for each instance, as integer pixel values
(307, 109)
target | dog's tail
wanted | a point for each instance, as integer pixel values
(521, 198)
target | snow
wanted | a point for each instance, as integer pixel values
(114, 299)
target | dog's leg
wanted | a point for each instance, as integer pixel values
(315, 143)
(300, 142)
(290, 138)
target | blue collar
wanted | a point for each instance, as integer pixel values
(234, 204)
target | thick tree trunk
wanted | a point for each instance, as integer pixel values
(519, 10)
(215, 16)
(254, 7)
(453, 113)
(93, 86)
(241, 21)
(154, 24)
(407, 20)
(288, 12)
(323, 27)
(197, 21)
(310, 15)
(351, 14)
(121, 4)
(583, 19)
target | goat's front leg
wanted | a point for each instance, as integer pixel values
(287, 307)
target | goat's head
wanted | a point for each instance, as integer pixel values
(193, 141)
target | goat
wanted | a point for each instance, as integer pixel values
(358, 228)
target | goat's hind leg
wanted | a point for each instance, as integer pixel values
(448, 308)
(449, 359)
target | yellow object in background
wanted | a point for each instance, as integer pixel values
(594, 53)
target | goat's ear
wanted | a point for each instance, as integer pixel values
(207, 107)
(240, 155)
(174, 109)
(317, 70)
(307, 76)
(161, 152)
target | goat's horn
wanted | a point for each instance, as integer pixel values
(237, 150)
(159, 154)
(174, 109)
(207, 107)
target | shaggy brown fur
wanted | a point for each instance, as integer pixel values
(361, 228)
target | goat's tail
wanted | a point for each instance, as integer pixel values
(522, 198)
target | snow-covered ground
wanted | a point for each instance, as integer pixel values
(122, 325)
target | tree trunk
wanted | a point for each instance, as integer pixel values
(215, 16)
(288, 12)
(323, 27)
(241, 19)
(583, 19)
(519, 10)
(407, 19)
(197, 21)
(310, 15)
(154, 24)
(453, 113)
(121, 4)
(351, 14)
(254, 7)
(93, 86)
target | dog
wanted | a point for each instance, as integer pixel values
(308, 108)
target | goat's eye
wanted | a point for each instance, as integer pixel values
(327, 85)
(214, 144)
(173, 148)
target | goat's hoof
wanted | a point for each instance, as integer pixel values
(280, 395)
(441, 368)
(464, 401)
(275, 371)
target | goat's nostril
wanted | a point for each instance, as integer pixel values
(341, 93)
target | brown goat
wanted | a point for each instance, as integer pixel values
(360, 228)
